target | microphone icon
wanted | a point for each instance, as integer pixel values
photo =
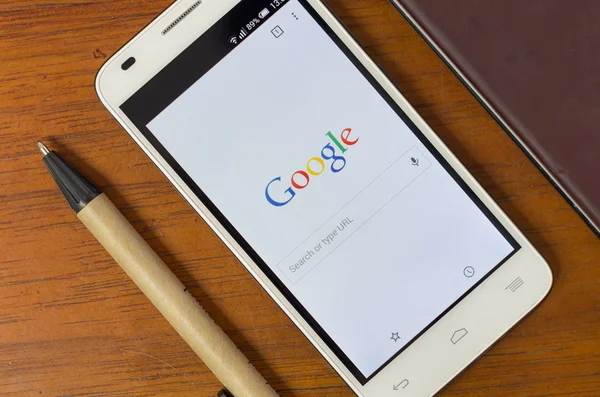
(414, 161)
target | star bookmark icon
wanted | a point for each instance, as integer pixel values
(395, 337)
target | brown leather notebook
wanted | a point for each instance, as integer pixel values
(535, 65)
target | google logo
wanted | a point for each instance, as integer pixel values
(314, 167)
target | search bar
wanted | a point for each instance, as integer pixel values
(354, 214)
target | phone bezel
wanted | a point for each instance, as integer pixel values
(153, 51)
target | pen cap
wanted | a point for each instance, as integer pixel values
(76, 188)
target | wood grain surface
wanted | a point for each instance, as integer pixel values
(73, 324)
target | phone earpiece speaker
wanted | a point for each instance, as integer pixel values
(181, 17)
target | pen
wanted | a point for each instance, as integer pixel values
(156, 281)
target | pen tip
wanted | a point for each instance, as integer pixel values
(43, 148)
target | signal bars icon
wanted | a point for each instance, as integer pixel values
(236, 39)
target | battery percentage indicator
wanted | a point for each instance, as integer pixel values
(263, 14)
(252, 24)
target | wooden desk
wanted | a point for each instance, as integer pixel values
(72, 324)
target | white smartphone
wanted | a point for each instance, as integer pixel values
(337, 197)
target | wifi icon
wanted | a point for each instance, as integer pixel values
(233, 40)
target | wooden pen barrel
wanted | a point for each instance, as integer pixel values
(169, 296)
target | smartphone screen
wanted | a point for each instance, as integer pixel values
(321, 178)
